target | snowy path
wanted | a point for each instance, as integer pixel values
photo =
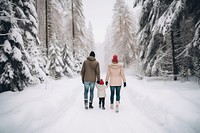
(146, 107)
(129, 120)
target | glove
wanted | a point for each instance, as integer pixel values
(82, 81)
(124, 84)
(98, 82)
(106, 83)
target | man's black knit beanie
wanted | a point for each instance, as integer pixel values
(92, 53)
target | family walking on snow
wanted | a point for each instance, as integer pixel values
(90, 74)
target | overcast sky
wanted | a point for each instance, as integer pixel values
(99, 13)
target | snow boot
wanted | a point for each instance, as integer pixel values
(111, 106)
(90, 105)
(117, 107)
(86, 104)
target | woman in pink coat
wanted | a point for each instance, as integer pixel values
(115, 75)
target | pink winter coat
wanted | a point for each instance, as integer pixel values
(115, 73)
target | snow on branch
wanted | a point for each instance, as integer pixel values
(196, 40)
(13, 18)
(170, 15)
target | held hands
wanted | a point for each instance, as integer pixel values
(106, 83)
(124, 84)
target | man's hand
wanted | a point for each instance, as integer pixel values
(98, 82)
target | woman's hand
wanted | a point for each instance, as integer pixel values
(106, 83)
(124, 84)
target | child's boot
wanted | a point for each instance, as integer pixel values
(103, 105)
(99, 103)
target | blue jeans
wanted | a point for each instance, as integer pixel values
(112, 90)
(89, 86)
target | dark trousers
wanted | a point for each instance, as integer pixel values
(102, 102)
(114, 89)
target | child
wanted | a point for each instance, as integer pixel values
(101, 92)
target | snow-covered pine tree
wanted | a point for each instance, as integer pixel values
(55, 64)
(193, 51)
(48, 25)
(29, 30)
(78, 33)
(150, 13)
(123, 35)
(90, 38)
(108, 46)
(15, 71)
(68, 60)
(162, 64)
(162, 17)
(196, 65)
(78, 30)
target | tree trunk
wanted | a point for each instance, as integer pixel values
(173, 57)
(73, 30)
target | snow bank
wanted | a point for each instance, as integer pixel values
(35, 107)
(174, 105)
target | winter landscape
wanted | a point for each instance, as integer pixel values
(43, 45)
(147, 106)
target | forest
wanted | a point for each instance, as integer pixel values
(51, 38)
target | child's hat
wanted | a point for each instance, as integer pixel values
(101, 82)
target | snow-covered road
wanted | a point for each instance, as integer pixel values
(147, 106)
(76, 119)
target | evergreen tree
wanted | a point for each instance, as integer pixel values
(32, 45)
(68, 60)
(108, 43)
(78, 30)
(15, 72)
(55, 64)
(158, 19)
(196, 65)
(78, 34)
(90, 38)
(123, 35)
(193, 51)
(48, 25)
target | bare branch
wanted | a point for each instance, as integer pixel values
(5, 34)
